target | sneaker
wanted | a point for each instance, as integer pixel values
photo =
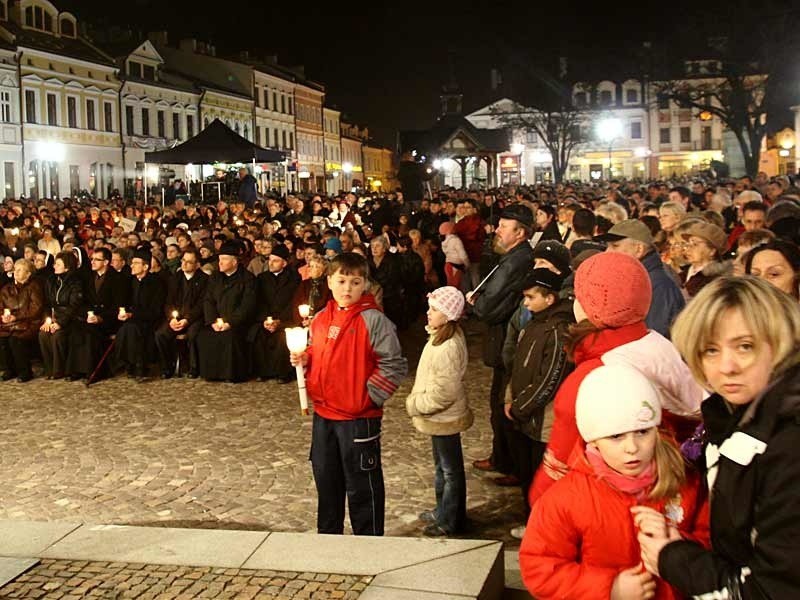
(518, 532)
(433, 530)
(428, 516)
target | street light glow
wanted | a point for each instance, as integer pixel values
(609, 129)
(437, 164)
(53, 151)
(517, 148)
(347, 167)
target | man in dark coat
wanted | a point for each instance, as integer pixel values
(275, 290)
(105, 291)
(135, 339)
(494, 304)
(184, 313)
(228, 310)
(247, 194)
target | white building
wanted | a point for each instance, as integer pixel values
(11, 177)
(333, 150)
(274, 109)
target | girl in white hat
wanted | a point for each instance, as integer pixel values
(438, 407)
(581, 539)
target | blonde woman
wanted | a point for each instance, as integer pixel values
(740, 336)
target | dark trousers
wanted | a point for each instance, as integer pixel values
(270, 356)
(54, 348)
(346, 461)
(450, 483)
(528, 455)
(502, 455)
(15, 355)
(167, 344)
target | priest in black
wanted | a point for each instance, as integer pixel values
(228, 311)
(275, 290)
(135, 343)
(184, 313)
(104, 292)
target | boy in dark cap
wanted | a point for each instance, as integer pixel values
(135, 341)
(538, 365)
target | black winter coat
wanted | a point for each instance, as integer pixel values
(187, 296)
(64, 298)
(755, 501)
(275, 293)
(147, 299)
(232, 297)
(105, 302)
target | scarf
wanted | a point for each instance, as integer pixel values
(636, 486)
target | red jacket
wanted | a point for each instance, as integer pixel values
(355, 361)
(470, 230)
(581, 534)
(565, 431)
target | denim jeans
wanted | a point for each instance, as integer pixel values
(346, 461)
(450, 482)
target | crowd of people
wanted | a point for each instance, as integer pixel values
(643, 341)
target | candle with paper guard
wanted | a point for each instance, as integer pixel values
(304, 310)
(89, 314)
(6, 312)
(297, 341)
(269, 321)
(220, 322)
(48, 321)
(175, 314)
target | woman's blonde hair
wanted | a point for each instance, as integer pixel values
(675, 208)
(671, 469)
(772, 316)
(24, 262)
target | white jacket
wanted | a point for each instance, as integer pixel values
(454, 251)
(656, 357)
(438, 403)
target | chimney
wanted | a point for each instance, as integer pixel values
(159, 38)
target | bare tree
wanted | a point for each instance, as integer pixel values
(559, 129)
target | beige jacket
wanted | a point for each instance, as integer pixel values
(438, 403)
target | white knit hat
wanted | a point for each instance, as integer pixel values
(615, 399)
(449, 301)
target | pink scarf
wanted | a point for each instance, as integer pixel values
(636, 486)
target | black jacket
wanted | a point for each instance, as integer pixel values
(187, 296)
(275, 293)
(113, 293)
(231, 297)
(64, 298)
(147, 299)
(755, 501)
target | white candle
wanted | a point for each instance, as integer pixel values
(90, 314)
(6, 312)
(175, 314)
(48, 321)
(304, 310)
(121, 311)
(269, 321)
(297, 341)
(220, 322)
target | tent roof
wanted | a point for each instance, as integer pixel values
(216, 143)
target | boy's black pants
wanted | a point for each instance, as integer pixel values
(346, 460)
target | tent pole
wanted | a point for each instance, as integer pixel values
(254, 172)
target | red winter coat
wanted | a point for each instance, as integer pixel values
(470, 230)
(581, 534)
(355, 362)
(565, 434)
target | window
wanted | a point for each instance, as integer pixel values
(8, 169)
(291, 140)
(160, 124)
(284, 139)
(176, 126)
(108, 116)
(289, 103)
(258, 135)
(67, 28)
(664, 135)
(135, 69)
(30, 106)
(52, 110)
(276, 142)
(580, 99)
(275, 101)
(246, 132)
(129, 121)
(236, 127)
(5, 107)
(145, 121)
(48, 22)
(605, 98)
(90, 116)
(266, 98)
(38, 17)
(631, 96)
(531, 137)
(283, 103)
(663, 102)
(189, 126)
(636, 130)
(149, 73)
(686, 135)
(29, 16)
(3, 12)
(74, 179)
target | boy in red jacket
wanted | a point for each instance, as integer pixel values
(354, 364)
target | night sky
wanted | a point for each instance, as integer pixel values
(383, 64)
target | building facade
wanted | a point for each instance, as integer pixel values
(309, 99)
(353, 138)
(332, 139)
(11, 176)
(274, 124)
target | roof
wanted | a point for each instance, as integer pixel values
(446, 127)
(217, 143)
(72, 47)
(217, 73)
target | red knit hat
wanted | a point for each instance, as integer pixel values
(614, 289)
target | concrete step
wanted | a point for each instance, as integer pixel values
(514, 588)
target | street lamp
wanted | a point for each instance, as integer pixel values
(608, 130)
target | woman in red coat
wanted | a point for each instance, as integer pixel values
(581, 541)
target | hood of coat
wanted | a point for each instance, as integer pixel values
(596, 344)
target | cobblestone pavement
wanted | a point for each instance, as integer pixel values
(186, 453)
(68, 580)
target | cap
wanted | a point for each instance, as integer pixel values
(280, 251)
(518, 212)
(543, 278)
(629, 228)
